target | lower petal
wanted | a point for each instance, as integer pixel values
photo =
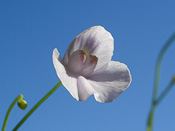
(84, 88)
(110, 81)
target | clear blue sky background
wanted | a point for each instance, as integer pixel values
(30, 30)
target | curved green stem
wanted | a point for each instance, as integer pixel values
(37, 105)
(159, 99)
(20, 97)
(150, 119)
(156, 84)
(155, 103)
(159, 60)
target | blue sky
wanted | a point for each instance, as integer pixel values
(30, 30)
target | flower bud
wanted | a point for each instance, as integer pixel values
(22, 104)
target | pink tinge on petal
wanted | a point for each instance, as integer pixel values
(76, 62)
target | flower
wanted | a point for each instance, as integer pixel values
(87, 69)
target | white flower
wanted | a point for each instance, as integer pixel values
(87, 68)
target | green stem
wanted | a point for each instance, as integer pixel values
(156, 84)
(20, 97)
(155, 103)
(37, 105)
(150, 119)
(159, 60)
(159, 99)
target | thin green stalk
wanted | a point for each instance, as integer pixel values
(156, 84)
(160, 98)
(158, 65)
(37, 105)
(150, 119)
(20, 97)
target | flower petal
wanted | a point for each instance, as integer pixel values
(70, 83)
(110, 81)
(76, 62)
(84, 88)
(94, 41)
(90, 65)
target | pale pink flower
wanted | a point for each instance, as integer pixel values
(87, 68)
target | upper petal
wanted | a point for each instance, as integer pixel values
(69, 82)
(110, 81)
(94, 41)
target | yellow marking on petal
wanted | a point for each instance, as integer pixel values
(93, 59)
(83, 56)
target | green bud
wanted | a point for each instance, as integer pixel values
(22, 104)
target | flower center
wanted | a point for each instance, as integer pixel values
(80, 63)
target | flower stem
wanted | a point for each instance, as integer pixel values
(37, 105)
(159, 99)
(156, 84)
(20, 97)
(159, 60)
(150, 118)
